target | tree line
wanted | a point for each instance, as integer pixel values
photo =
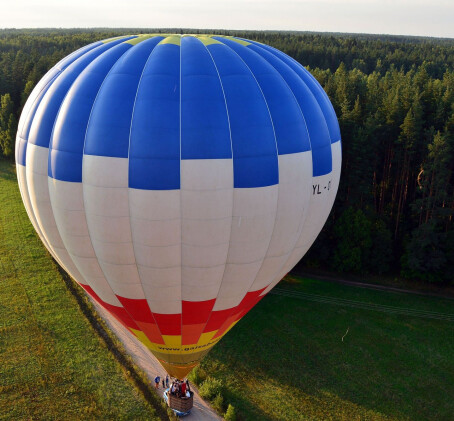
(394, 98)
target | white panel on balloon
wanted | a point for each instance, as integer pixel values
(105, 188)
(156, 234)
(207, 206)
(295, 176)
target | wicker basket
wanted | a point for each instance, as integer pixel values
(181, 404)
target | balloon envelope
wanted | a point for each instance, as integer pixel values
(177, 178)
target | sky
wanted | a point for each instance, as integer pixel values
(404, 17)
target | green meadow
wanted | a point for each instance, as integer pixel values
(315, 350)
(53, 365)
(310, 350)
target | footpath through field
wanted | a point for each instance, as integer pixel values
(150, 365)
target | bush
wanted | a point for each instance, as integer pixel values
(429, 254)
(210, 388)
(218, 403)
(197, 375)
(230, 414)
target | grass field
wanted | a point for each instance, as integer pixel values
(52, 364)
(291, 357)
(311, 350)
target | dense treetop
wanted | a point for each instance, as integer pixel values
(394, 97)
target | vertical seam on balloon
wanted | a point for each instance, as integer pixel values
(290, 89)
(279, 54)
(129, 189)
(51, 247)
(60, 69)
(304, 216)
(31, 214)
(30, 211)
(40, 231)
(317, 86)
(26, 194)
(32, 112)
(83, 190)
(51, 81)
(181, 221)
(277, 157)
(233, 177)
(44, 88)
(86, 50)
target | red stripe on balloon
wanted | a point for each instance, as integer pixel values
(228, 322)
(138, 309)
(195, 314)
(216, 320)
(190, 334)
(151, 331)
(118, 312)
(142, 315)
(236, 313)
(169, 324)
(196, 318)
(249, 301)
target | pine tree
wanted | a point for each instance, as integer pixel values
(8, 125)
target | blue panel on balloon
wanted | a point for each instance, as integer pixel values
(45, 119)
(48, 79)
(44, 85)
(288, 122)
(316, 89)
(22, 152)
(155, 129)
(65, 166)
(154, 173)
(255, 171)
(322, 160)
(327, 107)
(315, 120)
(69, 134)
(110, 121)
(205, 132)
(250, 122)
(65, 62)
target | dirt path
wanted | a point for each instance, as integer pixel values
(150, 365)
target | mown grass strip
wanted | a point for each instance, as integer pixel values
(53, 365)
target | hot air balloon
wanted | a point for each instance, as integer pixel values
(177, 179)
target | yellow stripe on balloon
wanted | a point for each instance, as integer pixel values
(174, 39)
(206, 40)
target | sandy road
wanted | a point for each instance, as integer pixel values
(150, 365)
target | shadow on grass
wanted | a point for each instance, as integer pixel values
(9, 172)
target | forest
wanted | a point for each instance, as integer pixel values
(394, 98)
